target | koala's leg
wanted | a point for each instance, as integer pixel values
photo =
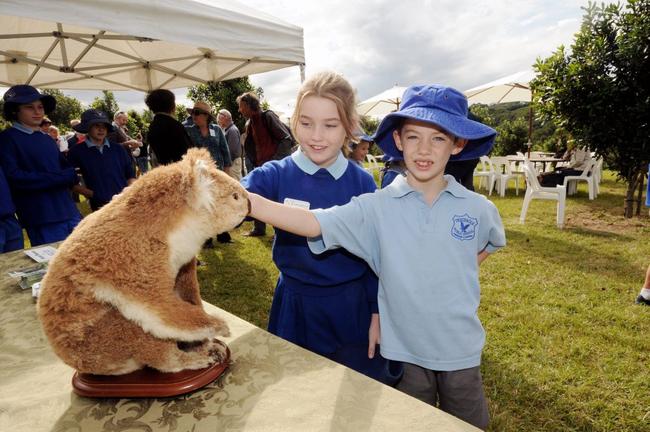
(187, 285)
(166, 356)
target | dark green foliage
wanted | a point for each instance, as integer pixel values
(223, 95)
(106, 103)
(67, 108)
(599, 91)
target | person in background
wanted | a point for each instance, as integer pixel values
(205, 133)
(393, 167)
(325, 303)
(45, 125)
(233, 138)
(11, 234)
(76, 137)
(105, 166)
(360, 149)
(120, 134)
(267, 138)
(53, 132)
(644, 296)
(39, 176)
(167, 138)
(577, 159)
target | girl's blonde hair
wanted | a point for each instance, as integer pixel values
(332, 86)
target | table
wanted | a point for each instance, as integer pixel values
(536, 159)
(272, 385)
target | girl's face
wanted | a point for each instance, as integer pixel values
(360, 151)
(320, 131)
(31, 114)
(98, 132)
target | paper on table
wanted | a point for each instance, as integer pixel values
(41, 254)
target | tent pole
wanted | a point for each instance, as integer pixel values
(529, 144)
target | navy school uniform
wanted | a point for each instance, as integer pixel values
(105, 172)
(11, 234)
(40, 179)
(321, 302)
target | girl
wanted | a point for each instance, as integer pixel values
(323, 303)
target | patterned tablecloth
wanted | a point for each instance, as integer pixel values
(272, 386)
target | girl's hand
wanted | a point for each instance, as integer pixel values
(374, 334)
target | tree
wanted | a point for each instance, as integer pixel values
(223, 95)
(67, 108)
(600, 91)
(106, 103)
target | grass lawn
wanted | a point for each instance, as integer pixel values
(567, 349)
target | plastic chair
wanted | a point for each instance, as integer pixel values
(486, 173)
(535, 191)
(504, 174)
(587, 175)
(372, 161)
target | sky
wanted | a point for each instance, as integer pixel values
(376, 44)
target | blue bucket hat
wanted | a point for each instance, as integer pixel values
(24, 94)
(91, 117)
(441, 106)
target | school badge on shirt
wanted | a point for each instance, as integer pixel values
(464, 227)
(296, 203)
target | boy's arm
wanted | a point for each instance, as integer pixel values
(295, 220)
(482, 256)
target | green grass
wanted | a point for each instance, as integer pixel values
(567, 349)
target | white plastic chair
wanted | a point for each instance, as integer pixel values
(504, 174)
(372, 161)
(535, 191)
(587, 175)
(486, 175)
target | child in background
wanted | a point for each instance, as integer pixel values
(392, 168)
(106, 166)
(323, 303)
(425, 236)
(360, 149)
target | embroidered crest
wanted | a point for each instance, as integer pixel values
(464, 227)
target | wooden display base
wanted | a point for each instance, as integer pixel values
(148, 382)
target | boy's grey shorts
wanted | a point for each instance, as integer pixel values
(459, 393)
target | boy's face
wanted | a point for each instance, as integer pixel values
(426, 149)
(320, 131)
(98, 132)
(31, 114)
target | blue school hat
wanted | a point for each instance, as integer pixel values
(91, 117)
(444, 107)
(24, 94)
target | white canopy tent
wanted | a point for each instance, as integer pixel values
(382, 104)
(511, 88)
(140, 44)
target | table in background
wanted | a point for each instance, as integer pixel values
(536, 159)
(272, 385)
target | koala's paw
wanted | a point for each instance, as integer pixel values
(217, 350)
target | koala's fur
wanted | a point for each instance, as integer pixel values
(121, 293)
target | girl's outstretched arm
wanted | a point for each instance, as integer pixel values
(295, 220)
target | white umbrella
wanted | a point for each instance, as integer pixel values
(512, 88)
(382, 104)
(139, 44)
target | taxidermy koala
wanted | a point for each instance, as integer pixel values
(121, 293)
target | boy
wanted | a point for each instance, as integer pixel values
(38, 175)
(425, 236)
(106, 167)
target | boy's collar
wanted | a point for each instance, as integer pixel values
(89, 143)
(21, 127)
(400, 187)
(336, 170)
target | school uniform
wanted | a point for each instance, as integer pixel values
(11, 234)
(105, 170)
(323, 303)
(40, 179)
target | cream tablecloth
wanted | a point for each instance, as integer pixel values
(272, 386)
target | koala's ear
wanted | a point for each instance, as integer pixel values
(203, 183)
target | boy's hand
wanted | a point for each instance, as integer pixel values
(374, 335)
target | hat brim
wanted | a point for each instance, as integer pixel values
(49, 102)
(85, 127)
(480, 138)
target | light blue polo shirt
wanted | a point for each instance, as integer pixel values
(426, 260)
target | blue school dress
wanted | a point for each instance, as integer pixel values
(40, 180)
(321, 302)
